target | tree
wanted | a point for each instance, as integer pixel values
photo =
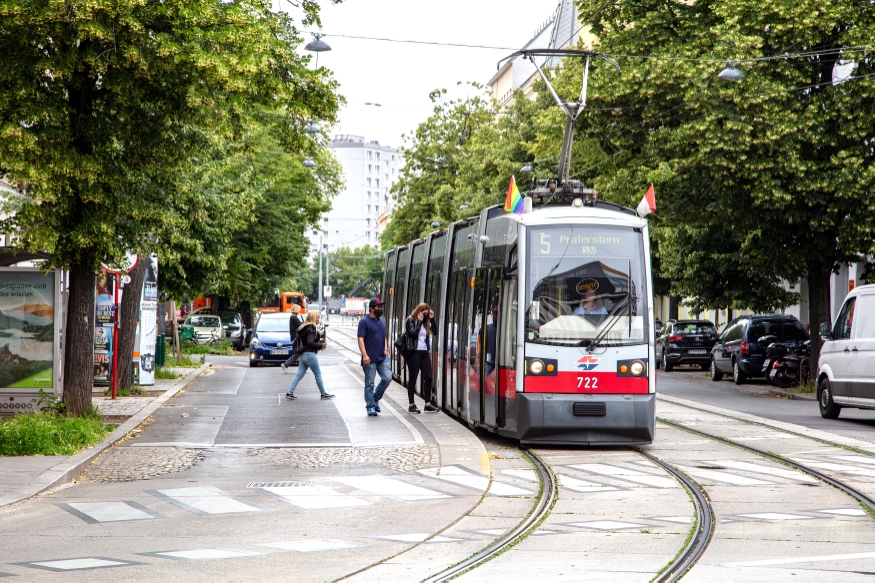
(762, 180)
(350, 267)
(102, 106)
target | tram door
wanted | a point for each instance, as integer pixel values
(455, 387)
(432, 297)
(482, 362)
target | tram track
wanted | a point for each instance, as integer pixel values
(547, 496)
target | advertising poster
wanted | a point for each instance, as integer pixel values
(148, 332)
(27, 329)
(104, 316)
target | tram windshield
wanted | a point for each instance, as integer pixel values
(586, 281)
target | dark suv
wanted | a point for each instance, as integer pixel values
(737, 351)
(685, 342)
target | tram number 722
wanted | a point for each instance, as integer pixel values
(587, 382)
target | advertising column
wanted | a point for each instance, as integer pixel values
(149, 322)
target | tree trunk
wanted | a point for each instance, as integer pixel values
(818, 308)
(674, 307)
(129, 313)
(79, 340)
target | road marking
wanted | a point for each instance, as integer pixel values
(582, 486)
(860, 459)
(793, 560)
(521, 474)
(417, 436)
(204, 554)
(838, 467)
(95, 512)
(758, 469)
(461, 477)
(490, 531)
(77, 564)
(309, 546)
(844, 511)
(311, 497)
(628, 475)
(724, 477)
(678, 519)
(775, 516)
(762, 437)
(206, 500)
(606, 525)
(391, 488)
(418, 537)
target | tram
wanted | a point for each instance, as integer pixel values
(543, 318)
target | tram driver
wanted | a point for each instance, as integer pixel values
(590, 304)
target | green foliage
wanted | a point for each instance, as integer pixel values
(349, 267)
(223, 348)
(49, 433)
(50, 403)
(163, 373)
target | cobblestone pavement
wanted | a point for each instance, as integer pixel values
(402, 459)
(126, 464)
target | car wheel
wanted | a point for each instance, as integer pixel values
(737, 375)
(828, 408)
(716, 375)
(666, 365)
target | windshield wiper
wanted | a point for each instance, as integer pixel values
(616, 318)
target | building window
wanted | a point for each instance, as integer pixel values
(393, 157)
(378, 182)
(368, 234)
(387, 177)
(369, 182)
(378, 168)
(368, 222)
(369, 195)
(370, 154)
(378, 155)
(325, 219)
(369, 208)
(370, 168)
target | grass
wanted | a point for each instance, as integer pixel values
(223, 348)
(163, 373)
(185, 362)
(47, 433)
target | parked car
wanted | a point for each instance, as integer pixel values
(207, 328)
(685, 342)
(232, 323)
(846, 369)
(271, 341)
(738, 352)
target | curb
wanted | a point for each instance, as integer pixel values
(766, 391)
(793, 396)
(71, 468)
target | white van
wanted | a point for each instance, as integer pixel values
(846, 369)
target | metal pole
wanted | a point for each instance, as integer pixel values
(115, 336)
(320, 271)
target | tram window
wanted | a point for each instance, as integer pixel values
(583, 280)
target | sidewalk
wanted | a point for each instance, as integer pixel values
(24, 476)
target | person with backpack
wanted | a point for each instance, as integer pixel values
(294, 323)
(306, 346)
(420, 327)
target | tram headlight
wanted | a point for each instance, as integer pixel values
(536, 367)
(637, 368)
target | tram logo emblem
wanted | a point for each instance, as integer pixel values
(587, 362)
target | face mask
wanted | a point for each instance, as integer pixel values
(378, 313)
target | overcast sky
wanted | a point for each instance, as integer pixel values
(400, 76)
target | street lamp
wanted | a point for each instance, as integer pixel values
(731, 73)
(435, 224)
(317, 45)
(308, 163)
(463, 207)
(312, 129)
(527, 169)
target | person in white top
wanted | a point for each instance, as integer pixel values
(590, 304)
(421, 327)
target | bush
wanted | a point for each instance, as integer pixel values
(50, 433)
(223, 348)
(163, 373)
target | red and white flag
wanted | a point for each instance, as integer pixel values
(648, 203)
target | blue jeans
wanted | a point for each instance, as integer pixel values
(308, 360)
(384, 369)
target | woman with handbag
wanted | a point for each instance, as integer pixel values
(419, 328)
(310, 343)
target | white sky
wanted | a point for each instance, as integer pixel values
(400, 76)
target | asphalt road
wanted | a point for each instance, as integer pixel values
(695, 385)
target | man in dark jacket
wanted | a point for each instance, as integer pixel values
(294, 323)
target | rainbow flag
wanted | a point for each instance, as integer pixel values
(514, 200)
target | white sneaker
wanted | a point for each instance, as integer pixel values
(284, 367)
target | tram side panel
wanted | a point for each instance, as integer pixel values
(389, 297)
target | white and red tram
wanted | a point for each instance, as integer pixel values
(544, 318)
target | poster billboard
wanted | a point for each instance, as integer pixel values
(148, 322)
(27, 329)
(104, 317)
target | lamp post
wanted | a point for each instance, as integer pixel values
(320, 271)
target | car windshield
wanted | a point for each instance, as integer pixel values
(694, 328)
(230, 319)
(273, 325)
(204, 321)
(784, 330)
(583, 280)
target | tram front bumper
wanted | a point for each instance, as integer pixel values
(545, 418)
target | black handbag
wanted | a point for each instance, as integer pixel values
(405, 344)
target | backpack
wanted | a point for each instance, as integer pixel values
(300, 342)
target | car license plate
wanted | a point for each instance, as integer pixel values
(279, 351)
(697, 352)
